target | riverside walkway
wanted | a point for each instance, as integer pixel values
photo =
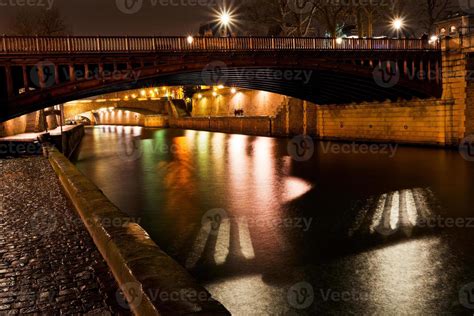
(48, 262)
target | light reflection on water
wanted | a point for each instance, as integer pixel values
(346, 224)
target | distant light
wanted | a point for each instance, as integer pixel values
(233, 90)
(143, 93)
(398, 24)
(190, 39)
(134, 96)
(214, 94)
(433, 39)
(225, 18)
(220, 87)
(339, 40)
(199, 96)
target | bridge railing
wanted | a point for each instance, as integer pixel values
(125, 44)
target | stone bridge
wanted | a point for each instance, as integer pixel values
(37, 72)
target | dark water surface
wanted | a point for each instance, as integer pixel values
(340, 233)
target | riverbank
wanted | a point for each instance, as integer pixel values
(151, 281)
(66, 139)
(49, 264)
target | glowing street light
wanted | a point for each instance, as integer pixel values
(225, 18)
(190, 39)
(233, 90)
(397, 24)
(339, 40)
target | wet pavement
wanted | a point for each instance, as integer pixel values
(48, 262)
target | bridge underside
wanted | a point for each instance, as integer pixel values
(335, 78)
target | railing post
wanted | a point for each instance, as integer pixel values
(99, 49)
(154, 43)
(4, 40)
(69, 43)
(273, 42)
(251, 43)
(37, 44)
(127, 44)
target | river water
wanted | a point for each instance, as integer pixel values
(388, 230)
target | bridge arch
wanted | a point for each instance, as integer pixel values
(320, 75)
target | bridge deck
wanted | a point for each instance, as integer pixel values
(122, 44)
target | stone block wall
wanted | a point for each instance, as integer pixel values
(261, 126)
(418, 121)
(13, 127)
(156, 121)
(254, 103)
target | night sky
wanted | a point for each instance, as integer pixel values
(91, 17)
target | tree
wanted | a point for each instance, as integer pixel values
(39, 22)
(432, 11)
(268, 15)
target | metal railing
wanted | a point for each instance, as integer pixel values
(130, 44)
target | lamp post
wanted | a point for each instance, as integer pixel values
(397, 25)
(225, 19)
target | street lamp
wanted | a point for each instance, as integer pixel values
(398, 24)
(225, 19)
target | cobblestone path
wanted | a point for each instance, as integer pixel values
(48, 263)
